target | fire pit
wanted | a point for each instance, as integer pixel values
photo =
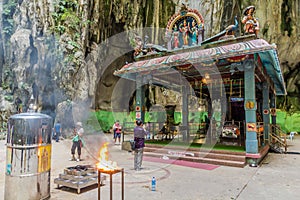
(108, 167)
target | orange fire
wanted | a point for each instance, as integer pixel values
(104, 163)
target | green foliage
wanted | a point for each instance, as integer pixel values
(60, 29)
(288, 121)
(91, 125)
(7, 77)
(5, 86)
(68, 20)
(74, 44)
(8, 97)
(7, 15)
(66, 17)
(196, 145)
(105, 120)
(71, 19)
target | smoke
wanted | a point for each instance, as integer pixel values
(174, 79)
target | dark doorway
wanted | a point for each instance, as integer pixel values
(237, 111)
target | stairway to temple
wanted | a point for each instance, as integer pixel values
(200, 155)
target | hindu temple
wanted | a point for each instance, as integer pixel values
(234, 78)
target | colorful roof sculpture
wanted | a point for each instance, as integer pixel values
(185, 28)
(188, 56)
(234, 52)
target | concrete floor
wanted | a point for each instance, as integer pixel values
(278, 176)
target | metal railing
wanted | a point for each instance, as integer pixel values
(156, 129)
(260, 133)
(195, 130)
(277, 137)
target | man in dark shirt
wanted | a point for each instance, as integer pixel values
(139, 138)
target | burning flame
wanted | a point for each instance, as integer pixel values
(104, 163)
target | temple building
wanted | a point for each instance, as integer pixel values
(235, 80)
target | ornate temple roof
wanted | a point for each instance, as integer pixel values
(232, 53)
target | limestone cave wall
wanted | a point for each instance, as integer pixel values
(66, 50)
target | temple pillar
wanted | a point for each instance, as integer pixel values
(185, 114)
(250, 107)
(273, 107)
(211, 113)
(266, 110)
(140, 96)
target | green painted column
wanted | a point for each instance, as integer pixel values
(185, 114)
(250, 107)
(140, 96)
(273, 108)
(266, 110)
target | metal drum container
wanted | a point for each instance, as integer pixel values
(28, 157)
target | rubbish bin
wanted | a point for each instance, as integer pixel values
(28, 157)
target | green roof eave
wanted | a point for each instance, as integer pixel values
(271, 63)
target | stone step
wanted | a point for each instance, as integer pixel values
(199, 153)
(157, 146)
(214, 161)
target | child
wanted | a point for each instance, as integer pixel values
(117, 131)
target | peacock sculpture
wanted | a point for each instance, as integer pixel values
(230, 30)
(227, 33)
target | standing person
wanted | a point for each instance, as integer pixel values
(77, 141)
(148, 130)
(57, 130)
(139, 138)
(117, 131)
(207, 123)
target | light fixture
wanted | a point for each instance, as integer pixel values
(206, 76)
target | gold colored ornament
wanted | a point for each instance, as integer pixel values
(250, 104)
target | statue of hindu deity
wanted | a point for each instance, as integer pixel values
(194, 32)
(251, 25)
(142, 48)
(200, 33)
(138, 48)
(184, 29)
(175, 37)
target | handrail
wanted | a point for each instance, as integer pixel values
(275, 129)
(259, 132)
(278, 129)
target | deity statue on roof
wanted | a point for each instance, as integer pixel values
(175, 37)
(251, 25)
(194, 32)
(142, 47)
(187, 26)
(200, 32)
(138, 48)
(184, 29)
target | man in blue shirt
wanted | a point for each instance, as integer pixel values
(57, 130)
